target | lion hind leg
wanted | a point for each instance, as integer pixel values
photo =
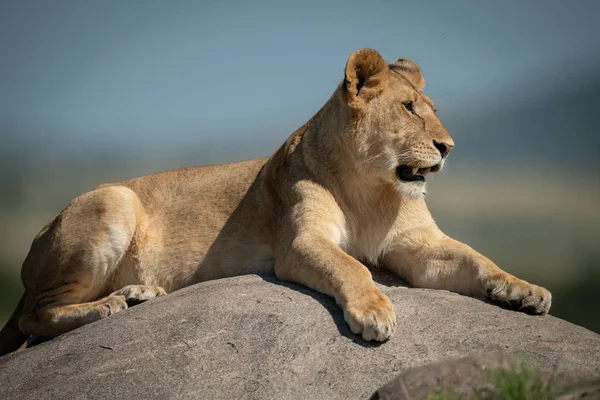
(55, 320)
(74, 259)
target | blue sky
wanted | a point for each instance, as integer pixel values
(101, 74)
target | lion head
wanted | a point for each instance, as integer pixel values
(395, 134)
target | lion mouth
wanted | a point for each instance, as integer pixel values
(414, 174)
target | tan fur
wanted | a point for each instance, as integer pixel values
(327, 202)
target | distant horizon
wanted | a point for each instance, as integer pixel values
(580, 99)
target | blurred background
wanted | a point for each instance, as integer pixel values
(98, 91)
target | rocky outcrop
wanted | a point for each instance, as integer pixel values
(256, 337)
(484, 376)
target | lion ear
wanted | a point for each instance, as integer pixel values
(410, 70)
(366, 75)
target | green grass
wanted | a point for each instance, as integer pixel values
(520, 383)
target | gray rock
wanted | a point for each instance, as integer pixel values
(473, 377)
(255, 337)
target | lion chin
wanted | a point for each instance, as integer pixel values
(410, 190)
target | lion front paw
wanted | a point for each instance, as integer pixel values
(371, 315)
(520, 295)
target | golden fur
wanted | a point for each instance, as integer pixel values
(328, 201)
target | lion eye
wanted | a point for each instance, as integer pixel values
(409, 106)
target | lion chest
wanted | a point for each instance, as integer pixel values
(367, 239)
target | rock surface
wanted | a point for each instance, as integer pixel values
(255, 337)
(476, 377)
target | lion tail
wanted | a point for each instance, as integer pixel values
(11, 337)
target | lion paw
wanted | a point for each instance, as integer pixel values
(113, 305)
(520, 295)
(135, 294)
(371, 315)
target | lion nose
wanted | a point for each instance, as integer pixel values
(444, 148)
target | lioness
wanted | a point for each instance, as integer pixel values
(344, 190)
